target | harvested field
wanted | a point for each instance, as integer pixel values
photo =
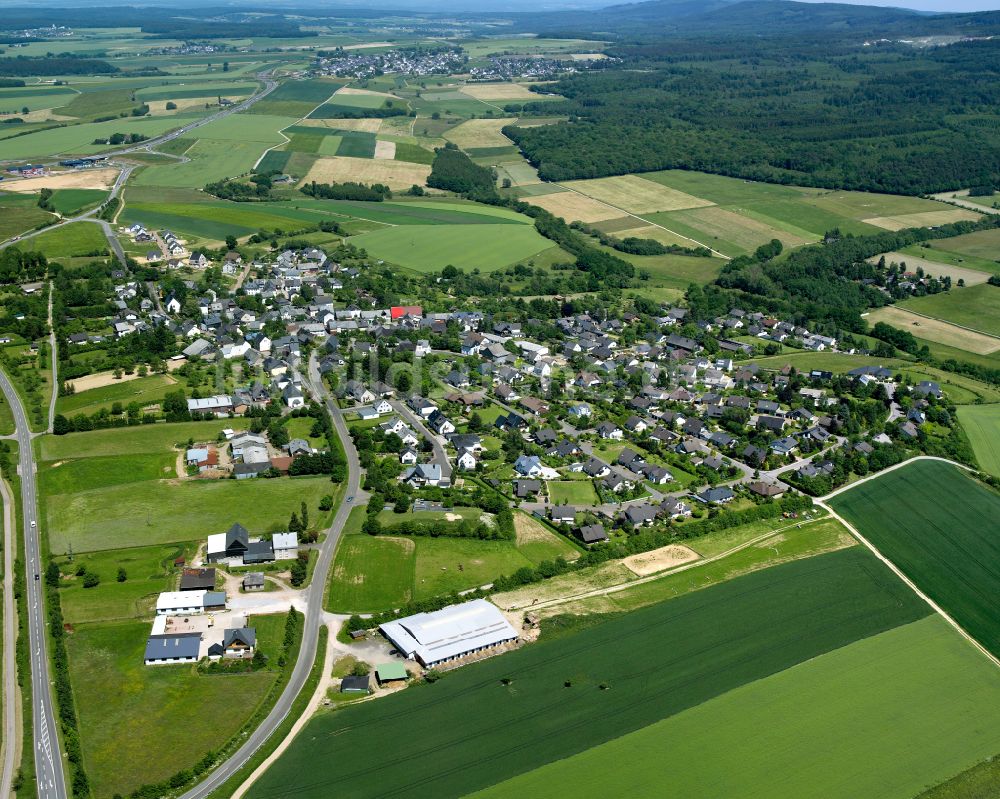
(367, 45)
(359, 125)
(936, 330)
(637, 195)
(100, 380)
(651, 232)
(727, 226)
(500, 91)
(77, 179)
(394, 174)
(346, 91)
(924, 219)
(587, 56)
(936, 268)
(659, 559)
(385, 150)
(479, 133)
(574, 207)
(159, 107)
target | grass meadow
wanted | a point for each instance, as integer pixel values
(947, 540)
(761, 739)
(567, 694)
(144, 390)
(976, 307)
(128, 710)
(379, 572)
(982, 426)
(74, 240)
(427, 249)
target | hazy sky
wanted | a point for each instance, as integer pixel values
(927, 5)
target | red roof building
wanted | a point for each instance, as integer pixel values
(400, 311)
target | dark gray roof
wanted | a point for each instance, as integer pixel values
(352, 684)
(248, 635)
(181, 645)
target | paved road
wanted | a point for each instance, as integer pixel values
(11, 733)
(88, 216)
(440, 456)
(960, 198)
(48, 754)
(314, 609)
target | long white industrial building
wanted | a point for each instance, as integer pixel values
(450, 633)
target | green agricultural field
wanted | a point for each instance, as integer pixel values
(144, 390)
(78, 139)
(357, 145)
(983, 244)
(211, 160)
(247, 128)
(426, 249)
(209, 90)
(572, 492)
(34, 98)
(680, 654)
(149, 708)
(71, 201)
(19, 214)
(146, 439)
(166, 511)
(947, 540)
(413, 153)
(295, 98)
(761, 739)
(69, 241)
(75, 475)
(982, 427)
(413, 213)
(217, 219)
(379, 572)
(148, 572)
(976, 307)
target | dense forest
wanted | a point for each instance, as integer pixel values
(26, 66)
(890, 118)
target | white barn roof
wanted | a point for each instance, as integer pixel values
(171, 600)
(450, 632)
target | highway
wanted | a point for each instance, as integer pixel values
(314, 607)
(48, 754)
(11, 734)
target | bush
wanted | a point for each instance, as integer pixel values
(91, 580)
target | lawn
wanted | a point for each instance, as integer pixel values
(144, 390)
(428, 249)
(942, 529)
(761, 740)
(982, 426)
(572, 492)
(128, 710)
(166, 511)
(976, 307)
(149, 570)
(658, 661)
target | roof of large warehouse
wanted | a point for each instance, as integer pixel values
(451, 631)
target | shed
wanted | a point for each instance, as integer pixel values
(391, 672)
(356, 685)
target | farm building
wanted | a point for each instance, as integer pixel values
(177, 648)
(198, 580)
(353, 684)
(450, 633)
(180, 603)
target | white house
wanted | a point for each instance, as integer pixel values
(286, 546)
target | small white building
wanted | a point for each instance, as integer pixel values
(183, 603)
(286, 546)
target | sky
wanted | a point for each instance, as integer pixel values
(927, 5)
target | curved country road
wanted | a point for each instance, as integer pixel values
(314, 609)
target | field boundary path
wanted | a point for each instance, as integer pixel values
(11, 729)
(614, 589)
(957, 198)
(823, 503)
(49, 772)
(314, 615)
